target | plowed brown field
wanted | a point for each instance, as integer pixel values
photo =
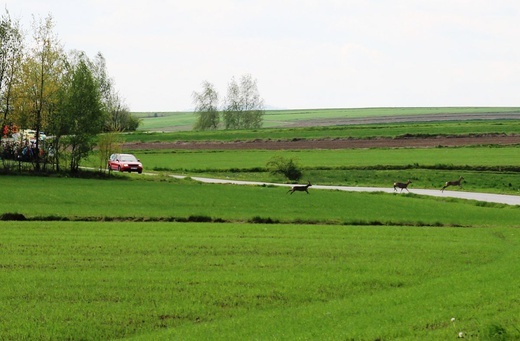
(336, 143)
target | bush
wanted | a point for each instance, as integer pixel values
(288, 167)
(200, 219)
(13, 216)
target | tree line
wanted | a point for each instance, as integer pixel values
(65, 94)
(242, 108)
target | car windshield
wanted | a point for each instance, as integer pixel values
(128, 158)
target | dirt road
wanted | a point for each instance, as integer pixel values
(486, 197)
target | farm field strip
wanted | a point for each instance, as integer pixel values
(167, 199)
(360, 131)
(243, 159)
(169, 121)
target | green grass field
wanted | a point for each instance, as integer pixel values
(312, 158)
(179, 121)
(170, 121)
(155, 258)
(164, 281)
(164, 198)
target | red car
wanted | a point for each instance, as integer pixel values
(125, 163)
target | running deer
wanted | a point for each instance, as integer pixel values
(453, 183)
(300, 188)
(402, 185)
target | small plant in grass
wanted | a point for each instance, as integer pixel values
(286, 166)
(495, 332)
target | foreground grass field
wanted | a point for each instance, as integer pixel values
(164, 281)
(128, 257)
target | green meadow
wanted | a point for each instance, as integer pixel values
(162, 198)
(170, 121)
(312, 158)
(150, 257)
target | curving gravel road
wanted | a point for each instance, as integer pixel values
(486, 197)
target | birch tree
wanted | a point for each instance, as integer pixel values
(42, 73)
(11, 52)
(243, 106)
(206, 108)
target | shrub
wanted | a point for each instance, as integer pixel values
(13, 216)
(288, 167)
(200, 219)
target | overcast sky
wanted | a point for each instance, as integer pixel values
(303, 54)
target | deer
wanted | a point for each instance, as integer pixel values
(453, 183)
(402, 185)
(300, 188)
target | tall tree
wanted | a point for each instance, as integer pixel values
(118, 118)
(232, 106)
(206, 107)
(11, 49)
(58, 123)
(252, 103)
(243, 107)
(84, 115)
(43, 69)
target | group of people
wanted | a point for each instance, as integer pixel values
(16, 146)
(12, 150)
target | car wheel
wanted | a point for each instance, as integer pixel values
(119, 168)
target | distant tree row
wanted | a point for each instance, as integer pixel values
(243, 108)
(65, 94)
